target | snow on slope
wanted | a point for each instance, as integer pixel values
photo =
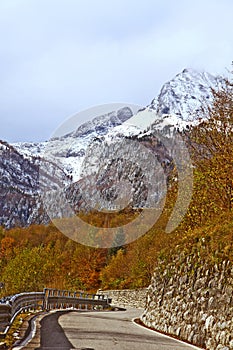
(185, 93)
(69, 151)
(177, 106)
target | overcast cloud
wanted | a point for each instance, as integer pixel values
(58, 57)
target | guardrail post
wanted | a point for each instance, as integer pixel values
(74, 295)
(57, 305)
(45, 302)
(62, 295)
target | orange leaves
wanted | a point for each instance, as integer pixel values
(7, 248)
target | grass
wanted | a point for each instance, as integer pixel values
(16, 332)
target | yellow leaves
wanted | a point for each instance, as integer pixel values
(117, 271)
(7, 248)
(212, 154)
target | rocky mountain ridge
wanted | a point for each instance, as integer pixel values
(29, 168)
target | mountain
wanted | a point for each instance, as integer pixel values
(19, 187)
(69, 150)
(184, 95)
(30, 169)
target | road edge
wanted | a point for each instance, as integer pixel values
(165, 335)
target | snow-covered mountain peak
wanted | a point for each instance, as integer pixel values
(183, 95)
(69, 150)
(101, 124)
(28, 168)
(177, 106)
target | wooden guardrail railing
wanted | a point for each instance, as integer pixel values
(49, 299)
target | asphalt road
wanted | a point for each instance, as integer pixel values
(102, 331)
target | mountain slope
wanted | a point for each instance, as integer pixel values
(29, 168)
(20, 204)
(69, 150)
(183, 95)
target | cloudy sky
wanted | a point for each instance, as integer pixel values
(58, 57)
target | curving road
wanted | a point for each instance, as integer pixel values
(101, 331)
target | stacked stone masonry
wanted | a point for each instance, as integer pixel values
(193, 302)
(127, 297)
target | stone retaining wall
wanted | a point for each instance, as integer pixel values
(127, 297)
(193, 302)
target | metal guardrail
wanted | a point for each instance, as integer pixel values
(64, 298)
(16, 304)
(49, 299)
